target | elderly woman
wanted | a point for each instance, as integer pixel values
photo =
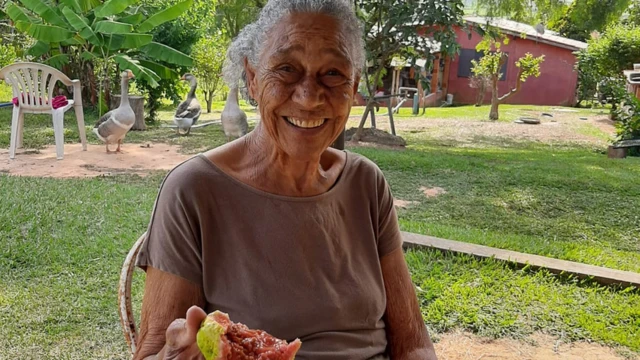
(277, 229)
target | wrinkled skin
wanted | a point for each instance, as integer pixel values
(305, 72)
(181, 337)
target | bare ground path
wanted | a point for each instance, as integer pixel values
(465, 346)
(135, 159)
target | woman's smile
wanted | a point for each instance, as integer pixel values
(303, 123)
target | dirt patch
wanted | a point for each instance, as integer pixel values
(403, 204)
(432, 192)
(562, 128)
(376, 136)
(135, 159)
(465, 346)
(605, 124)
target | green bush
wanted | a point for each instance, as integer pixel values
(628, 119)
(601, 67)
(7, 55)
(616, 50)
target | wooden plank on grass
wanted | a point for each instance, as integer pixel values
(627, 143)
(600, 274)
(200, 125)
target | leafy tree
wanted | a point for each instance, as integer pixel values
(232, 15)
(209, 54)
(407, 29)
(633, 14)
(481, 83)
(588, 77)
(586, 16)
(180, 34)
(602, 63)
(628, 116)
(7, 54)
(533, 12)
(616, 50)
(490, 64)
(74, 35)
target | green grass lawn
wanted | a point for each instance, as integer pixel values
(62, 242)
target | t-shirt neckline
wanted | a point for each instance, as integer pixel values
(263, 193)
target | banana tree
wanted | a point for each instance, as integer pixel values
(112, 32)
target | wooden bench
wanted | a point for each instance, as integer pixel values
(619, 149)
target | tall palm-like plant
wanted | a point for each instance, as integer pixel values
(89, 32)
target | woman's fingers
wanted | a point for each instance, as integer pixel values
(195, 317)
(181, 333)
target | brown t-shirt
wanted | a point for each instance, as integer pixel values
(305, 268)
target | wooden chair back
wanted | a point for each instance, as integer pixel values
(127, 319)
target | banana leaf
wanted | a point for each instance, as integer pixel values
(114, 42)
(73, 4)
(38, 49)
(165, 15)
(141, 72)
(87, 55)
(134, 19)
(76, 40)
(113, 7)
(58, 61)
(88, 5)
(81, 25)
(16, 13)
(163, 52)
(162, 71)
(136, 41)
(46, 12)
(45, 33)
(113, 27)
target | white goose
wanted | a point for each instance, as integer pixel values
(113, 126)
(189, 110)
(234, 120)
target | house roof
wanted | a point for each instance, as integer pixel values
(517, 29)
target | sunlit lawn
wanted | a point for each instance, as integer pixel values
(62, 242)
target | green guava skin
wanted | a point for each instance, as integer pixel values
(209, 339)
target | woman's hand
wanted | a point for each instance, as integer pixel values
(169, 297)
(181, 337)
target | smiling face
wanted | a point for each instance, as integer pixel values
(304, 84)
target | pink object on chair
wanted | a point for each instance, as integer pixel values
(57, 102)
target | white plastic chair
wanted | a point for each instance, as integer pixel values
(33, 84)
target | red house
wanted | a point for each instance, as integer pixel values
(558, 80)
(556, 85)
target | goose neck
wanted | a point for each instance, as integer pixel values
(124, 91)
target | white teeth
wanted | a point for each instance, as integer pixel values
(305, 124)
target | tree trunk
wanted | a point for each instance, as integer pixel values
(482, 89)
(91, 82)
(370, 102)
(137, 104)
(209, 100)
(495, 102)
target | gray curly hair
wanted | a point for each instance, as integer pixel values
(251, 39)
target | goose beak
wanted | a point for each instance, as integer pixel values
(130, 74)
(183, 77)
